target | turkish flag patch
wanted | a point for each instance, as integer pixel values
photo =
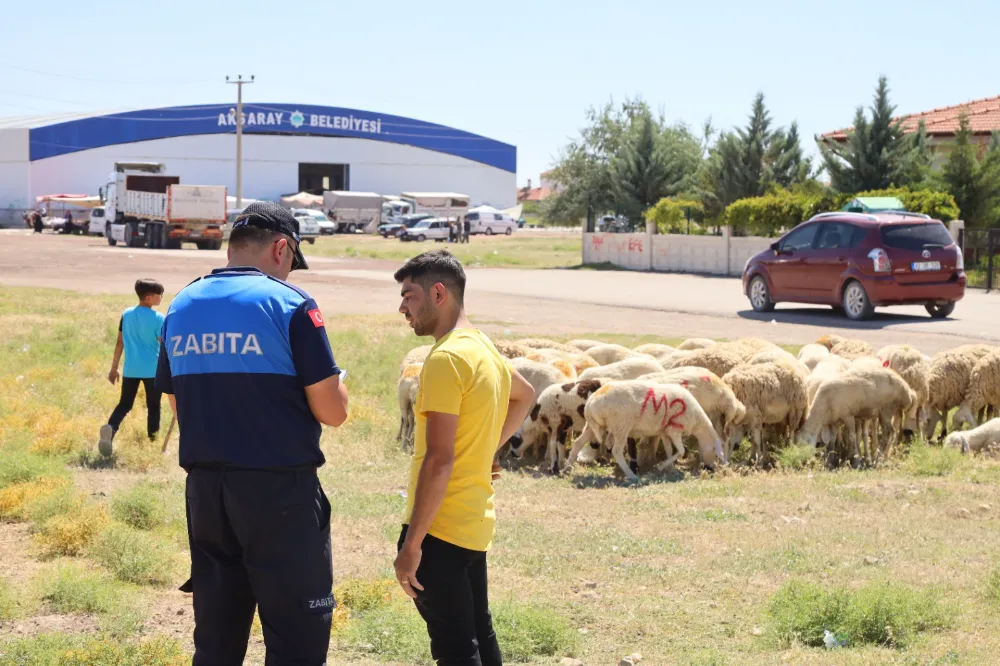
(317, 318)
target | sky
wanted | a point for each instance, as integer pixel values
(516, 71)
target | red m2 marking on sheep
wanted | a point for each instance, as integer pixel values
(669, 420)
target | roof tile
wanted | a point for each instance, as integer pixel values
(983, 114)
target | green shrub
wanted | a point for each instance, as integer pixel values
(72, 589)
(669, 214)
(797, 456)
(389, 633)
(8, 602)
(993, 587)
(67, 650)
(134, 556)
(526, 632)
(883, 614)
(141, 507)
(926, 460)
(362, 596)
(18, 465)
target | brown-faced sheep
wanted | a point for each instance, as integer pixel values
(830, 340)
(664, 412)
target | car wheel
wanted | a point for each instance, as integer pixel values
(760, 295)
(107, 234)
(489, 231)
(509, 231)
(857, 305)
(940, 311)
(311, 241)
(351, 228)
(421, 238)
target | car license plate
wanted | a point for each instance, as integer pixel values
(926, 265)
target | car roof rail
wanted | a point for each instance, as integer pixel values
(907, 213)
(841, 213)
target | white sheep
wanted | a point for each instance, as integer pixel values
(914, 368)
(510, 349)
(778, 355)
(545, 343)
(852, 349)
(720, 358)
(859, 395)
(664, 412)
(773, 394)
(983, 391)
(542, 375)
(609, 353)
(811, 354)
(406, 391)
(415, 355)
(695, 343)
(984, 436)
(714, 396)
(828, 367)
(948, 382)
(584, 345)
(655, 349)
(629, 368)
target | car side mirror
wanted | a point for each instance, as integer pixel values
(776, 247)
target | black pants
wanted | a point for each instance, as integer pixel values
(261, 539)
(130, 386)
(454, 604)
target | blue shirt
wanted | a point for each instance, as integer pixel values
(140, 328)
(239, 348)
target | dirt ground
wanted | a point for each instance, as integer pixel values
(542, 301)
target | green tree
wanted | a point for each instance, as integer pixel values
(974, 183)
(625, 160)
(877, 153)
(749, 161)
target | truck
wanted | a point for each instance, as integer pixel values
(438, 204)
(145, 207)
(353, 211)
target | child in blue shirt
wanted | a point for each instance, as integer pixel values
(139, 337)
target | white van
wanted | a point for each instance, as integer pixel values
(490, 222)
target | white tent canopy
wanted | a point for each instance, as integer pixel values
(303, 200)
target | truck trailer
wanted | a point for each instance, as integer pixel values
(145, 207)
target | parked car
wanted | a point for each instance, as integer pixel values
(432, 228)
(308, 226)
(395, 229)
(857, 262)
(326, 227)
(490, 223)
(97, 221)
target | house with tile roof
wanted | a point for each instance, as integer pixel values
(942, 124)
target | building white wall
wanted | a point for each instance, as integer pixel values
(15, 174)
(270, 167)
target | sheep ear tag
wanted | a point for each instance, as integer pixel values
(885, 364)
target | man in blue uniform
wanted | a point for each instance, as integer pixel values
(247, 365)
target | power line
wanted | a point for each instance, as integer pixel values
(158, 82)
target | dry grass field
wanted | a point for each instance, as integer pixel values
(736, 567)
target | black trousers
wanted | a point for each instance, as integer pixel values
(130, 387)
(259, 538)
(455, 604)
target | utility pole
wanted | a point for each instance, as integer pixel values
(240, 81)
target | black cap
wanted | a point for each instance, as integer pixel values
(274, 217)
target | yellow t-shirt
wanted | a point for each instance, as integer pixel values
(464, 375)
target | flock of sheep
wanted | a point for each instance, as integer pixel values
(640, 405)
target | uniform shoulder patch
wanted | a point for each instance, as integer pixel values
(317, 317)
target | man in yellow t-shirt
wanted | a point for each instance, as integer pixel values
(470, 402)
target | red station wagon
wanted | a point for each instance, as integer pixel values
(857, 262)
